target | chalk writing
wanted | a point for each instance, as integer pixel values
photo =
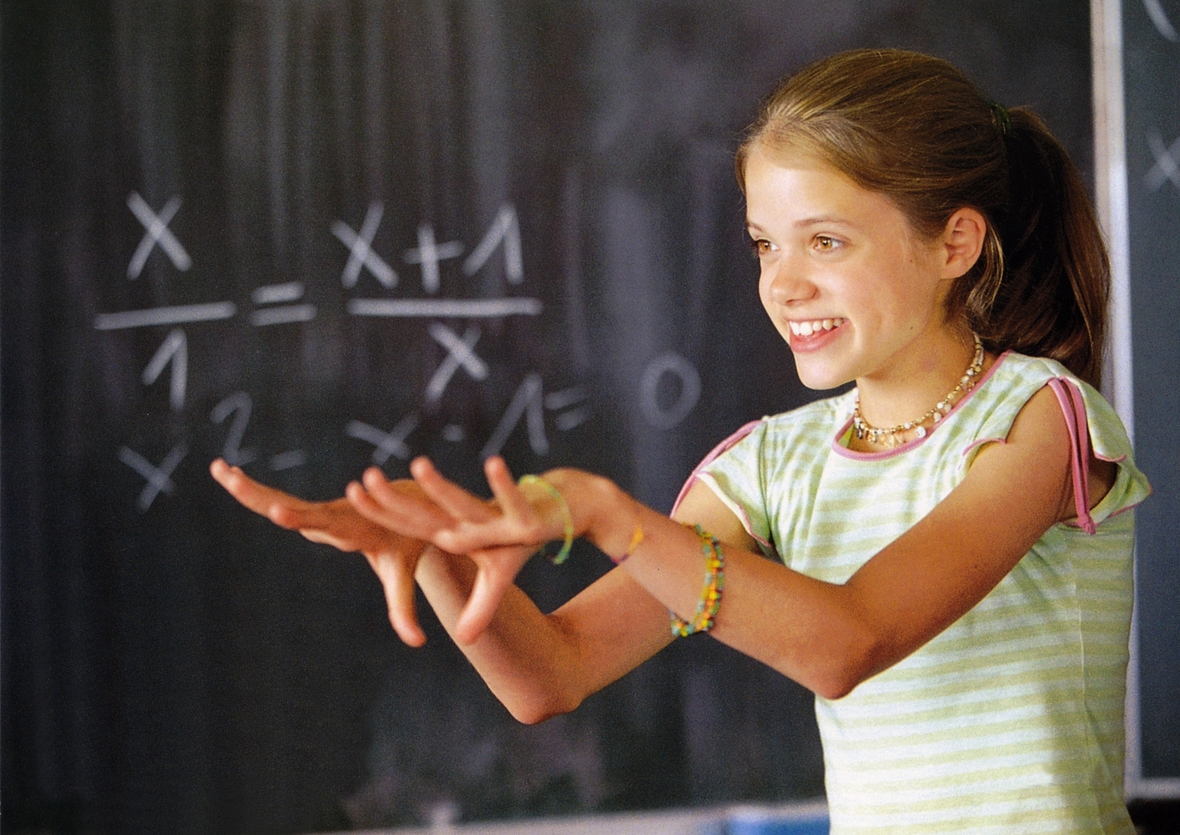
(360, 248)
(154, 317)
(174, 350)
(569, 402)
(428, 254)
(528, 402)
(445, 308)
(1159, 18)
(1167, 162)
(387, 444)
(284, 303)
(288, 460)
(505, 229)
(159, 479)
(667, 417)
(280, 313)
(157, 232)
(240, 405)
(459, 354)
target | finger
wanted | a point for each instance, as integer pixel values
(497, 569)
(255, 496)
(237, 484)
(508, 494)
(397, 579)
(335, 523)
(403, 496)
(467, 538)
(394, 511)
(312, 519)
(446, 494)
(489, 589)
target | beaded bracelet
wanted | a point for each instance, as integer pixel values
(710, 602)
(561, 555)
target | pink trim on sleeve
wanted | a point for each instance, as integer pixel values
(713, 455)
(1074, 409)
(979, 442)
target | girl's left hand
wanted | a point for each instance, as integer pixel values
(498, 536)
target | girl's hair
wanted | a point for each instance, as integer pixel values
(915, 129)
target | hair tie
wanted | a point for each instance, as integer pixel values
(1001, 117)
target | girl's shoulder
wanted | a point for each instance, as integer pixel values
(1094, 427)
(816, 420)
(819, 418)
(782, 439)
(1015, 378)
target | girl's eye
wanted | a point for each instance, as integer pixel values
(761, 246)
(826, 243)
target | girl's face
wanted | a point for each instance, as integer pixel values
(852, 288)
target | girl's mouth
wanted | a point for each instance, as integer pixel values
(814, 326)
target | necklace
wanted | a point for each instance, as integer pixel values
(895, 435)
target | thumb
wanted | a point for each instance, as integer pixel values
(397, 579)
(491, 584)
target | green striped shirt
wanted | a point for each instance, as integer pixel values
(1011, 720)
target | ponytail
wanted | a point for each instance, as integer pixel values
(1054, 283)
(915, 129)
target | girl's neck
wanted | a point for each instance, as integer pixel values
(894, 411)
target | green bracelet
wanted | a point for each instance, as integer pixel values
(561, 555)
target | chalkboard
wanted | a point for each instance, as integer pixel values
(1152, 83)
(314, 236)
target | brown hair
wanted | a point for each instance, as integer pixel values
(915, 129)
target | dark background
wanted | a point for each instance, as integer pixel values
(172, 663)
(1152, 80)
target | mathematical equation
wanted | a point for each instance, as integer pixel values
(283, 304)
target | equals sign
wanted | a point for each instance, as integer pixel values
(283, 311)
(568, 400)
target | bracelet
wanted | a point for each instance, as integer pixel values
(561, 555)
(710, 602)
(636, 538)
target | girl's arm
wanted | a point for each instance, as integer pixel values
(826, 636)
(542, 665)
(538, 664)
(832, 637)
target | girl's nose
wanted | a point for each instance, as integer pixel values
(789, 283)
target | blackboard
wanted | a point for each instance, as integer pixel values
(318, 235)
(1152, 83)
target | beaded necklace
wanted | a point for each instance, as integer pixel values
(895, 435)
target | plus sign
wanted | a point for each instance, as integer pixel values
(428, 254)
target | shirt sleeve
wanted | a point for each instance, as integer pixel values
(734, 472)
(1096, 426)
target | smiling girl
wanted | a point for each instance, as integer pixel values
(950, 563)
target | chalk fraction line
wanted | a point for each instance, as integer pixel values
(444, 308)
(164, 316)
(283, 315)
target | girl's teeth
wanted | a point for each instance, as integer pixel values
(808, 328)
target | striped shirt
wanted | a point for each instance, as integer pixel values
(1011, 720)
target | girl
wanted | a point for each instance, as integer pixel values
(951, 570)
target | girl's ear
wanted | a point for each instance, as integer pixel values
(962, 241)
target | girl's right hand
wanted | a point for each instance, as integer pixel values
(499, 536)
(392, 556)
